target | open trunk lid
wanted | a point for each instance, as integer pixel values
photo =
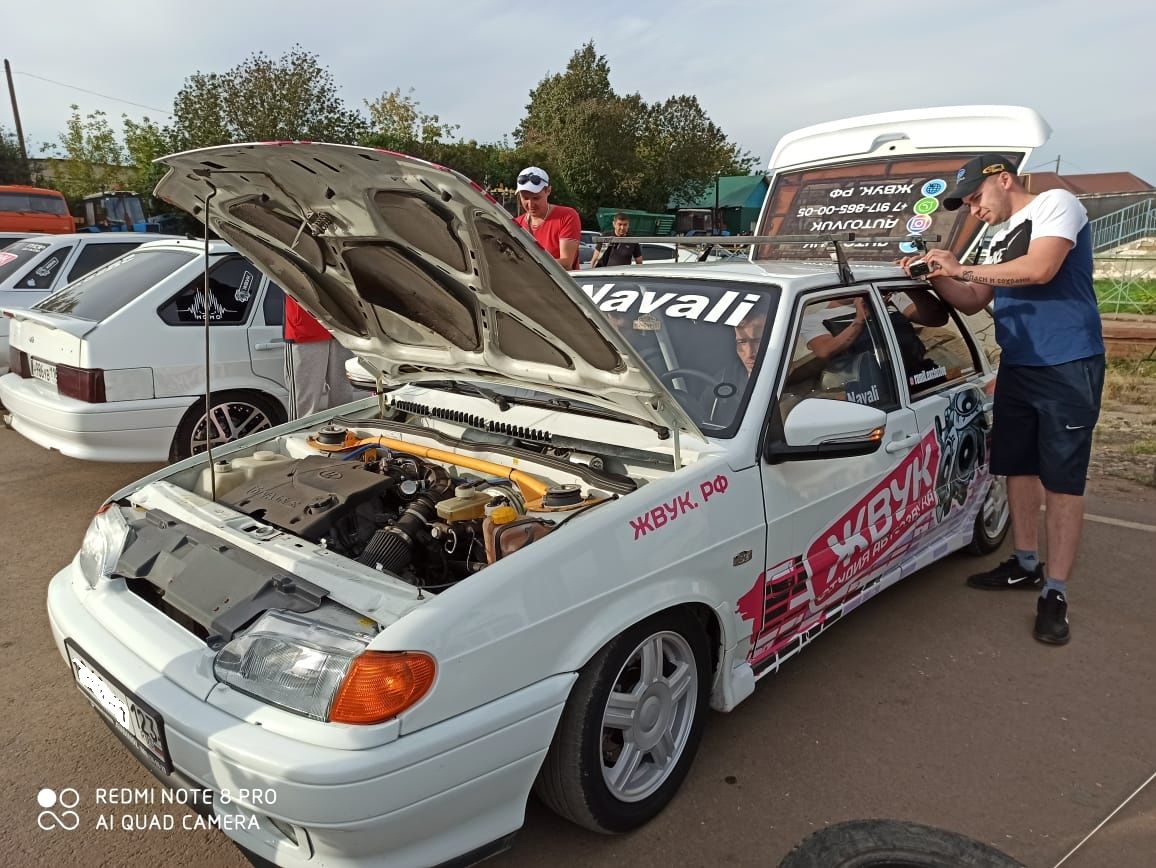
(885, 175)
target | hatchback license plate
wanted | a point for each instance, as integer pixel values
(44, 371)
(131, 716)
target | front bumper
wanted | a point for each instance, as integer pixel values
(422, 799)
(116, 431)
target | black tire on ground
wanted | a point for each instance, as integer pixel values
(267, 405)
(893, 844)
(983, 541)
(571, 781)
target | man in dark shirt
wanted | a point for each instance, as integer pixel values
(618, 252)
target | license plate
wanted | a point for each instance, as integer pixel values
(131, 716)
(44, 371)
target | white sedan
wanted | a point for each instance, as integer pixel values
(587, 512)
(111, 368)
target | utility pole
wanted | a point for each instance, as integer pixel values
(16, 115)
(1057, 164)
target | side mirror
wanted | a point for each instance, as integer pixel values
(825, 428)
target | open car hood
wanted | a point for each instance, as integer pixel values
(887, 175)
(416, 270)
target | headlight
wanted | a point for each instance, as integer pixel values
(321, 671)
(103, 542)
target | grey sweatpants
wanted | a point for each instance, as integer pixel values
(318, 376)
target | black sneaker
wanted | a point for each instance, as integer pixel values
(1052, 619)
(1008, 575)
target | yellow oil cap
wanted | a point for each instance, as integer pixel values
(503, 515)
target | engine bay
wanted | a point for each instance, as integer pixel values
(395, 507)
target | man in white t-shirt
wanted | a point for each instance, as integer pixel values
(1047, 398)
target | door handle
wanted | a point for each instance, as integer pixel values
(270, 345)
(901, 444)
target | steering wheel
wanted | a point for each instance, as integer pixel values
(668, 378)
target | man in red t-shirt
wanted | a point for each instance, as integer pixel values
(315, 362)
(556, 228)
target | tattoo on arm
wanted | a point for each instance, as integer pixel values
(970, 277)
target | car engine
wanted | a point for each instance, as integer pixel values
(395, 512)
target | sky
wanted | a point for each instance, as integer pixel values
(758, 69)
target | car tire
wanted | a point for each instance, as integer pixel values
(889, 843)
(249, 411)
(613, 768)
(993, 521)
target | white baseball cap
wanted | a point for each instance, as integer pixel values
(533, 180)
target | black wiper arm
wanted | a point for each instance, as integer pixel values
(504, 403)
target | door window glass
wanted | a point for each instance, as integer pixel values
(933, 349)
(839, 353)
(42, 273)
(92, 256)
(232, 286)
(274, 305)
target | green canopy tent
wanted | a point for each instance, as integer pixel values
(740, 198)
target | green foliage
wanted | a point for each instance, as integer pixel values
(12, 168)
(607, 149)
(144, 142)
(91, 156)
(1138, 296)
(262, 99)
(396, 121)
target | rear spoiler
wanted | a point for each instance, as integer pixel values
(78, 328)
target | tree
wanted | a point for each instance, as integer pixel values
(396, 121)
(262, 99)
(144, 142)
(605, 149)
(91, 157)
(682, 150)
(12, 167)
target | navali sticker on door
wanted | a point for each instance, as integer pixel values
(934, 491)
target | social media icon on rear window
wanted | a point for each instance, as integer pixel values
(933, 187)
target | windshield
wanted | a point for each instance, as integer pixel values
(103, 292)
(703, 338)
(15, 256)
(124, 209)
(36, 203)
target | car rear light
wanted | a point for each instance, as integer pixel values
(83, 384)
(18, 362)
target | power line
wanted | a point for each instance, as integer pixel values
(164, 112)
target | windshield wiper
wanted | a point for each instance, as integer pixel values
(504, 403)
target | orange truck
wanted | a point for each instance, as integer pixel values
(34, 210)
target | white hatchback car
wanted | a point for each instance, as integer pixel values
(537, 561)
(111, 368)
(33, 267)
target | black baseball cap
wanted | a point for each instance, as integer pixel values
(974, 173)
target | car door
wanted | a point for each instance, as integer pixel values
(943, 383)
(837, 528)
(178, 361)
(266, 337)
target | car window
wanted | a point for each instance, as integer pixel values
(702, 338)
(43, 272)
(103, 292)
(37, 203)
(934, 354)
(92, 256)
(656, 252)
(274, 305)
(839, 353)
(232, 285)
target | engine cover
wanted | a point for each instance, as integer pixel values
(307, 497)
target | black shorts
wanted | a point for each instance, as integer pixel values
(1043, 422)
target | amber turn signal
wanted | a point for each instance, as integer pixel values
(381, 685)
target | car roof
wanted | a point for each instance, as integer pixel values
(96, 237)
(177, 243)
(789, 275)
